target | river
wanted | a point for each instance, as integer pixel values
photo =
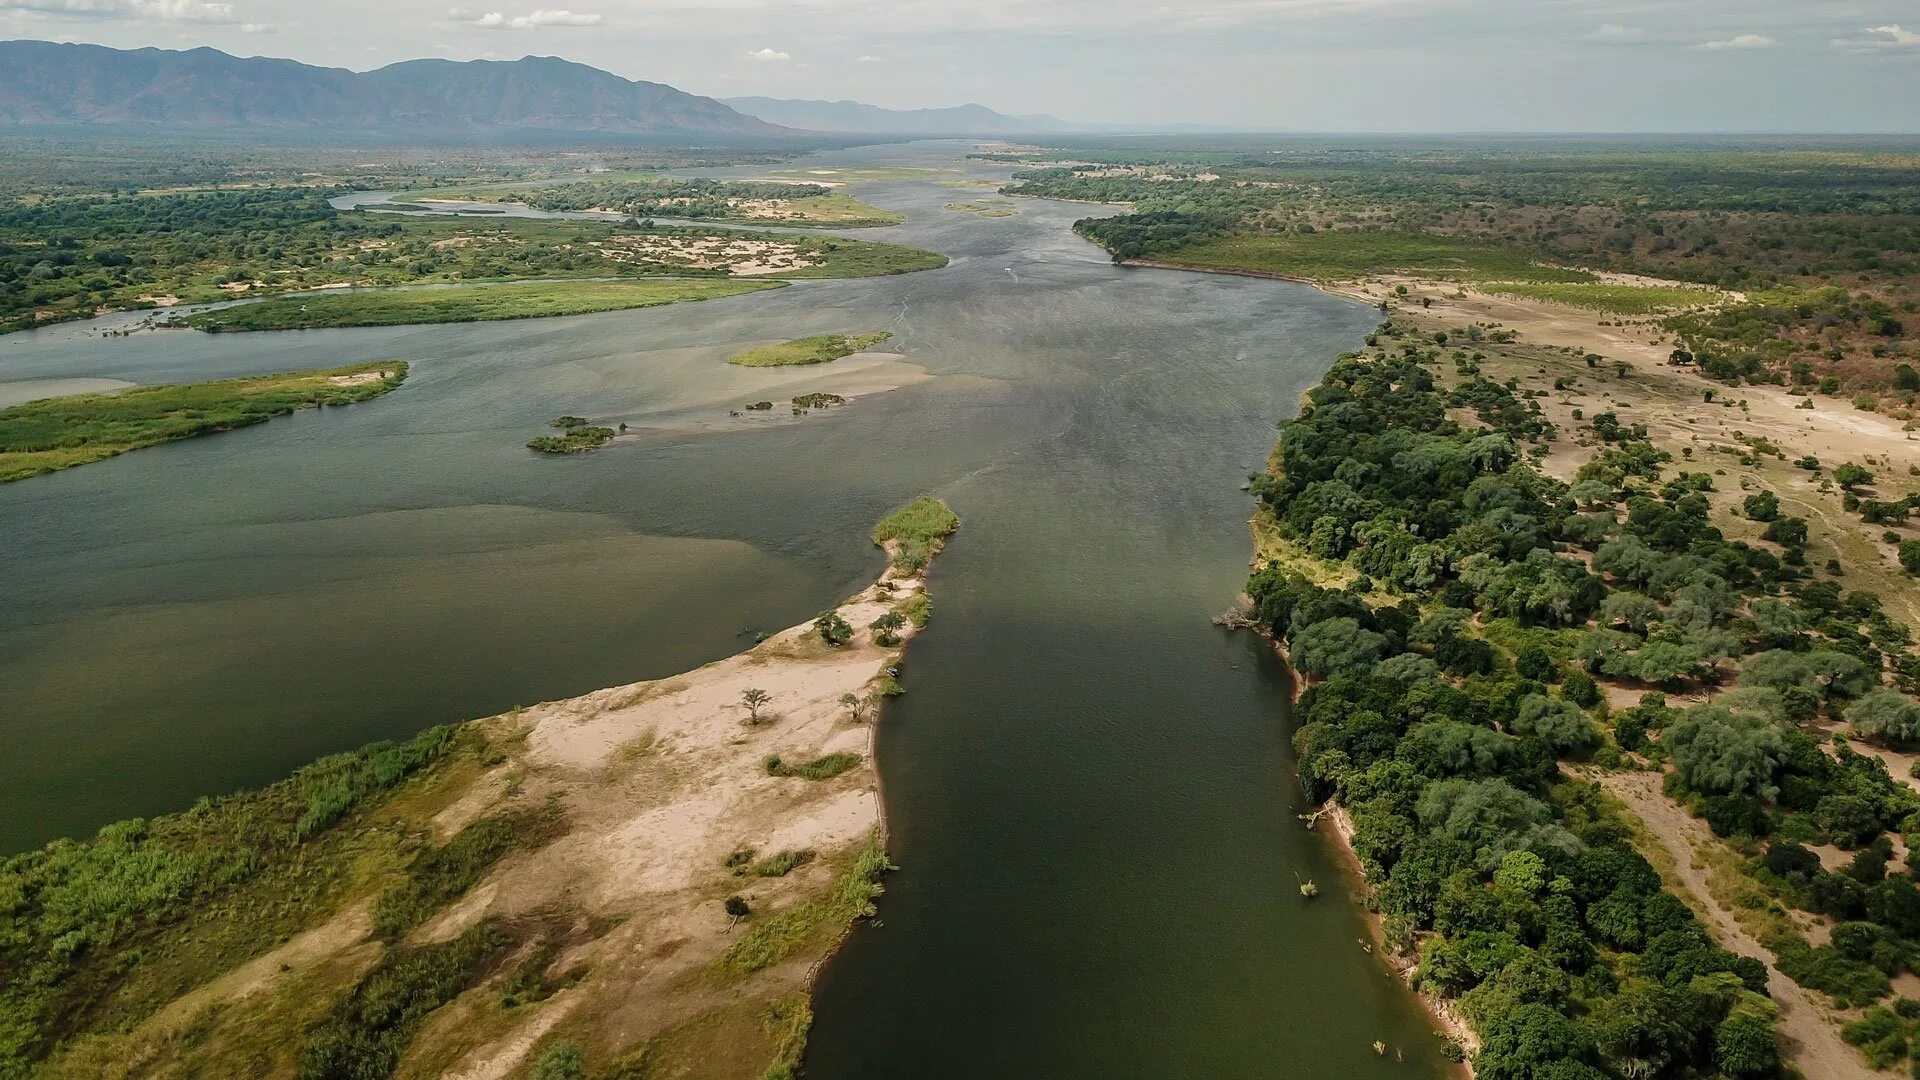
(1088, 786)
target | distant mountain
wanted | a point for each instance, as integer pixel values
(46, 83)
(857, 117)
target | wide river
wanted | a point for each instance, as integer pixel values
(1089, 787)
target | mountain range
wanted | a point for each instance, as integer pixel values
(47, 83)
(854, 117)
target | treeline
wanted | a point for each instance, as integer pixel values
(1439, 718)
(668, 198)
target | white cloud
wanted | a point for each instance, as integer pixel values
(769, 56)
(541, 19)
(1616, 34)
(194, 11)
(873, 60)
(1895, 38)
(1744, 41)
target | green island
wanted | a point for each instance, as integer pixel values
(289, 930)
(820, 349)
(746, 202)
(577, 436)
(58, 433)
(461, 303)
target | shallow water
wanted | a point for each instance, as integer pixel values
(1088, 785)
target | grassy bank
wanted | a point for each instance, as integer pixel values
(1610, 299)
(465, 303)
(809, 350)
(59, 433)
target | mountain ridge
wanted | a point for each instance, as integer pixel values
(857, 117)
(50, 83)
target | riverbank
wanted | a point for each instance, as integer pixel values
(645, 874)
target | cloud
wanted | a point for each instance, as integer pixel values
(1874, 39)
(541, 19)
(1616, 34)
(1744, 41)
(873, 59)
(194, 11)
(769, 56)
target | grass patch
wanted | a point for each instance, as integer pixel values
(1343, 255)
(370, 1029)
(577, 437)
(788, 1020)
(809, 350)
(444, 874)
(985, 209)
(776, 937)
(102, 932)
(463, 303)
(1611, 299)
(918, 531)
(917, 608)
(59, 433)
(821, 768)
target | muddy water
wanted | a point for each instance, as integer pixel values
(1088, 785)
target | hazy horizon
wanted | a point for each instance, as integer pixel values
(1285, 66)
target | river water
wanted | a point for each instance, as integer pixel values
(1088, 786)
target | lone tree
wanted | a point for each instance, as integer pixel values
(737, 909)
(886, 629)
(833, 629)
(856, 706)
(754, 699)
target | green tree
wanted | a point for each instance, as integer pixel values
(1887, 717)
(833, 629)
(886, 629)
(1851, 475)
(754, 699)
(1725, 753)
(1335, 645)
(1762, 506)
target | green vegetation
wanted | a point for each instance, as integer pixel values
(985, 209)
(443, 874)
(370, 1028)
(821, 768)
(774, 938)
(68, 255)
(809, 350)
(1515, 884)
(464, 303)
(1612, 299)
(742, 201)
(100, 933)
(1344, 255)
(579, 437)
(1820, 238)
(59, 433)
(918, 530)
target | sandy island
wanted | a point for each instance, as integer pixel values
(668, 797)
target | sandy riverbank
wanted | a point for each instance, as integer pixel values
(671, 796)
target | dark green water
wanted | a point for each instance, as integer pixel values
(1088, 785)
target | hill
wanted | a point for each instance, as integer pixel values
(858, 117)
(46, 83)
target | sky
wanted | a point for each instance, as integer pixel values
(1258, 65)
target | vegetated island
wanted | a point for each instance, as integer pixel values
(462, 303)
(986, 209)
(634, 882)
(58, 433)
(809, 350)
(748, 202)
(578, 436)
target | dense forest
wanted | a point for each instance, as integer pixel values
(1501, 623)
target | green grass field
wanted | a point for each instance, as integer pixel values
(464, 303)
(858, 258)
(809, 350)
(1344, 255)
(1612, 299)
(59, 433)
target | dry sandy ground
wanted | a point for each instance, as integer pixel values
(660, 782)
(1813, 1043)
(741, 258)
